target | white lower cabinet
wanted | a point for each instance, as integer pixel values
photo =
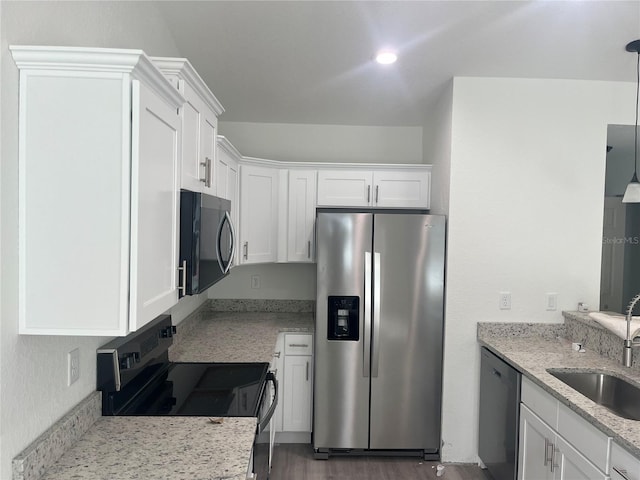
(295, 374)
(555, 443)
(535, 436)
(624, 466)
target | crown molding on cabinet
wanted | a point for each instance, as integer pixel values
(334, 165)
(99, 60)
(227, 146)
(182, 67)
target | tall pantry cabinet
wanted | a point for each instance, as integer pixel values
(99, 153)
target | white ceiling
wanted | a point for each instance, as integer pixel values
(311, 61)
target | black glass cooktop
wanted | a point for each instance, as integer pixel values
(199, 389)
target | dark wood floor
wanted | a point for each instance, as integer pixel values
(296, 462)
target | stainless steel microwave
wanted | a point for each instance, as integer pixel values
(207, 241)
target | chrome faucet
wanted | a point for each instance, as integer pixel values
(628, 342)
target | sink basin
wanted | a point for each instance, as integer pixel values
(615, 394)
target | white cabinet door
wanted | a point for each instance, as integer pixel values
(624, 466)
(192, 173)
(388, 188)
(302, 210)
(297, 393)
(258, 214)
(154, 207)
(199, 129)
(209, 132)
(572, 465)
(401, 189)
(339, 188)
(536, 442)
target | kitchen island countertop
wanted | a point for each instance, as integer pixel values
(176, 448)
(534, 354)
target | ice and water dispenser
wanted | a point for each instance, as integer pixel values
(343, 323)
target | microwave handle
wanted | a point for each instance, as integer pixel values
(225, 268)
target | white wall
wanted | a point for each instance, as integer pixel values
(33, 368)
(525, 216)
(437, 150)
(325, 143)
(277, 281)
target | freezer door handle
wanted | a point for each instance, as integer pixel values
(375, 357)
(366, 344)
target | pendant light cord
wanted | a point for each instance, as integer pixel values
(635, 131)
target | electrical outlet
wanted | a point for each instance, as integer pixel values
(552, 301)
(255, 281)
(73, 364)
(504, 300)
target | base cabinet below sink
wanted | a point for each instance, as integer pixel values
(556, 443)
(624, 466)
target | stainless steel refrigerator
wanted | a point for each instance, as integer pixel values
(379, 332)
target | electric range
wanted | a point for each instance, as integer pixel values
(136, 378)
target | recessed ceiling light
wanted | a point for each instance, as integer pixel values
(386, 57)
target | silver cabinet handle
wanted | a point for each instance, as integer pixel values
(546, 451)
(622, 472)
(309, 249)
(183, 269)
(276, 354)
(307, 370)
(554, 450)
(207, 172)
(368, 193)
(375, 349)
(246, 250)
(377, 188)
(366, 345)
(299, 345)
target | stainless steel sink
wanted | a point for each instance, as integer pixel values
(615, 394)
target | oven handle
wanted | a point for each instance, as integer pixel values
(265, 421)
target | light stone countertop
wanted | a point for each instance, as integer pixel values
(236, 336)
(176, 448)
(542, 349)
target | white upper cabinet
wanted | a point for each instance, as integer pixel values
(199, 124)
(99, 152)
(344, 188)
(301, 215)
(258, 214)
(392, 187)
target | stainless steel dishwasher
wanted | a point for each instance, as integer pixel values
(499, 416)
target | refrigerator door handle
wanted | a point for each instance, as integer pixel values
(366, 350)
(375, 357)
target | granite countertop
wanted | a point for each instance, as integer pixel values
(236, 336)
(179, 448)
(173, 448)
(532, 352)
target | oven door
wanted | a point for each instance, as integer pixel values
(264, 441)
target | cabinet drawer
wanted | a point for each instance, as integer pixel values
(540, 402)
(624, 466)
(586, 438)
(298, 344)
